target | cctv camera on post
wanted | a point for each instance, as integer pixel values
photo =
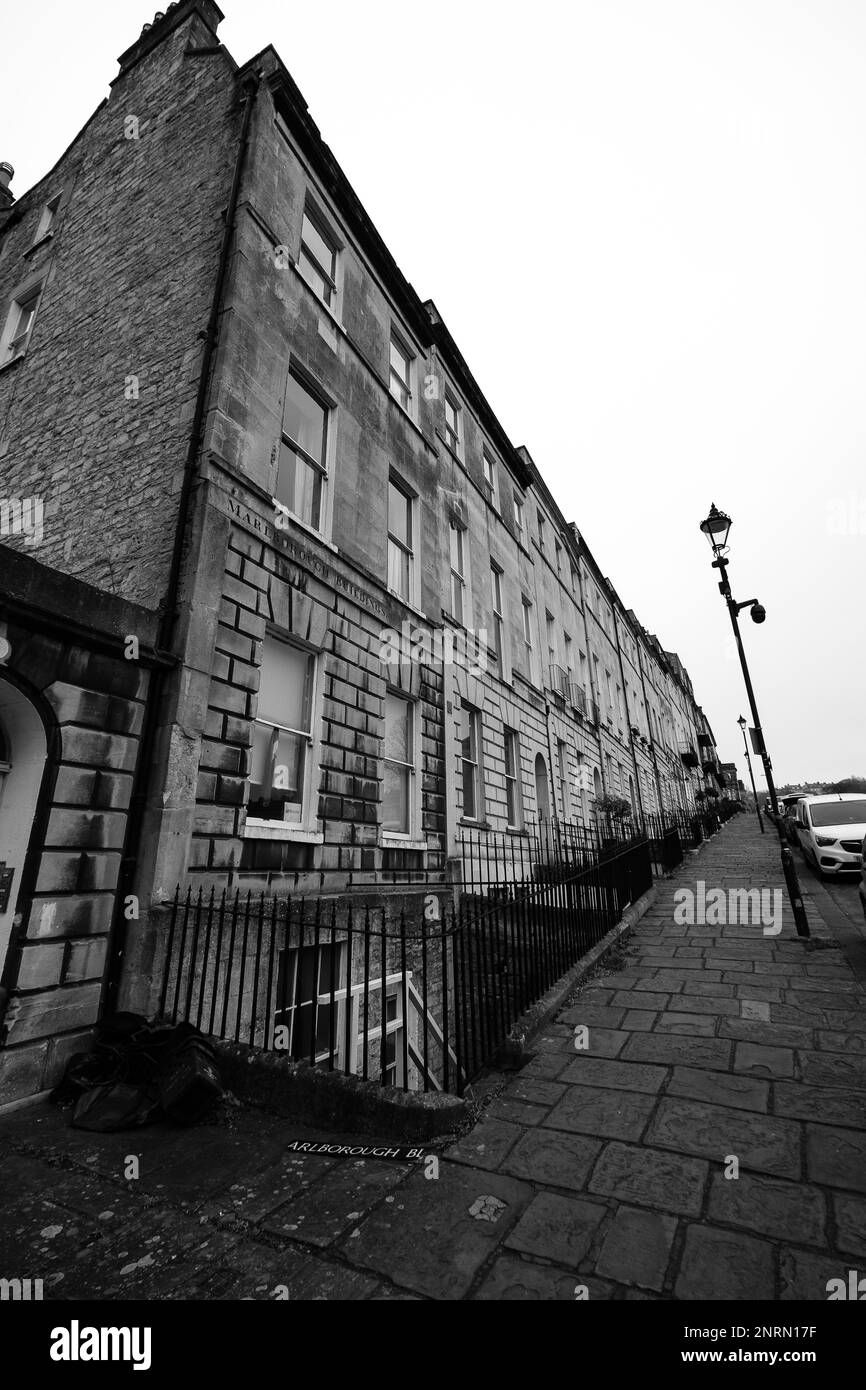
(758, 613)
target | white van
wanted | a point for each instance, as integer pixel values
(830, 830)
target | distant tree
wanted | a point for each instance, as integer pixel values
(849, 784)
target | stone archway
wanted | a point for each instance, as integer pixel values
(23, 750)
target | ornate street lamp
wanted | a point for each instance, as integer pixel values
(716, 527)
(742, 723)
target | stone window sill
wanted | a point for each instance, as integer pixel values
(281, 830)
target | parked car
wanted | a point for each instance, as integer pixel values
(863, 879)
(830, 831)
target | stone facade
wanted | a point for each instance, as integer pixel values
(363, 629)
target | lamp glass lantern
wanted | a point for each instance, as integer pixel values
(716, 527)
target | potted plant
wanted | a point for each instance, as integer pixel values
(616, 807)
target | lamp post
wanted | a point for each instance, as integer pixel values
(742, 723)
(716, 527)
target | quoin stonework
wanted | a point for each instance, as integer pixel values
(258, 460)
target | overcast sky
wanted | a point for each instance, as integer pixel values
(644, 222)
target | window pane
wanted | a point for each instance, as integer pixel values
(399, 515)
(299, 487)
(285, 692)
(324, 1019)
(395, 806)
(399, 362)
(509, 754)
(314, 277)
(304, 420)
(261, 770)
(469, 800)
(25, 318)
(457, 549)
(320, 249)
(469, 740)
(457, 597)
(289, 772)
(399, 390)
(398, 570)
(497, 590)
(277, 787)
(398, 729)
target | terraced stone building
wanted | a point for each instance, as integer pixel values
(282, 608)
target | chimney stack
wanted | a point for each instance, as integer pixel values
(206, 16)
(7, 197)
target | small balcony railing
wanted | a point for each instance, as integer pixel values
(577, 696)
(558, 681)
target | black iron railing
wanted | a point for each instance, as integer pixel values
(510, 856)
(421, 1005)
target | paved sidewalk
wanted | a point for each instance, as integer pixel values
(600, 1169)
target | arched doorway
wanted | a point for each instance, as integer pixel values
(542, 789)
(23, 750)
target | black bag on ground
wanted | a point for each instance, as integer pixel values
(138, 1070)
(114, 1106)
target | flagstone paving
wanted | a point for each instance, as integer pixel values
(691, 1126)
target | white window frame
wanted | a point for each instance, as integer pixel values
(490, 474)
(550, 638)
(412, 498)
(325, 468)
(397, 340)
(511, 742)
(453, 437)
(47, 219)
(473, 715)
(306, 828)
(562, 769)
(414, 784)
(13, 343)
(498, 619)
(459, 590)
(520, 518)
(526, 604)
(325, 230)
(393, 1028)
(321, 998)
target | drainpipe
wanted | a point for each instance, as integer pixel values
(652, 742)
(145, 766)
(552, 787)
(627, 711)
(592, 690)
